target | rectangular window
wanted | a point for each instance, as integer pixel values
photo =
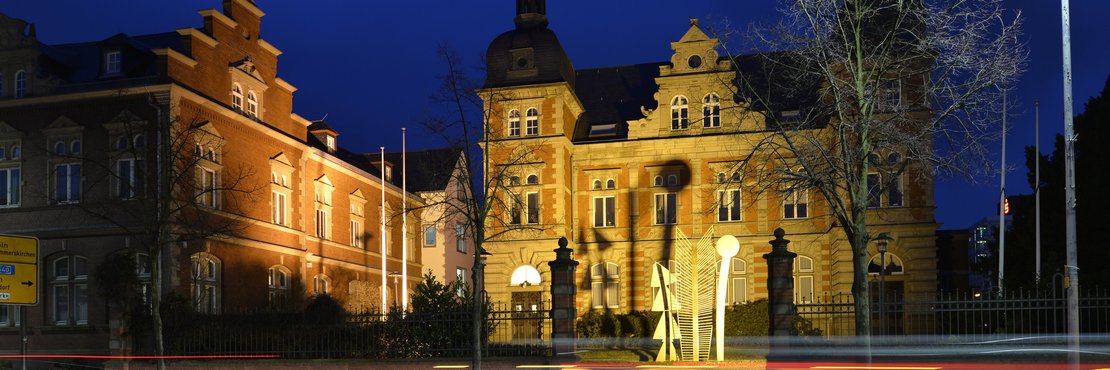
(605, 211)
(207, 191)
(533, 208)
(9, 316)
(67, 183)
(514, 209)
(279, 208)
(894, 192)
(131, 176)
(891, 96)
(61, 304)
(533, 126)
(795, 203)
(804, 293)
(429, 235)
(873, 194)
(112, 62)
(460, 238)
(739, 290)
(728, 205)
(514, 127)
(321, 224)
(356, 234)
(460, 280)
(9, 186)
(666, 207)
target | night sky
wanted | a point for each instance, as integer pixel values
(371, 65)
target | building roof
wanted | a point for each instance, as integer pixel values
(78, 65)
(428, 170)
(613, 96)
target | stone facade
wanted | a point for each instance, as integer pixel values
(629, 158)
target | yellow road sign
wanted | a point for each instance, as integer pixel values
(19, 270)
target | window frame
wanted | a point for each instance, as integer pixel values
(514, 123)
(72, 184)
(206, 278)
(532, 207)
(604, 210)
(252, 104)
(113, 62)
(670, 201)
(680, 113)
(732, 211)
(237, 99)
(20, 85)
(798, 202)
(532, 122)
(874, 190)
(69, 290)
(426, 242)
(11, 187)
(605, 285)
(711, 111)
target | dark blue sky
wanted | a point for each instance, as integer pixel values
(370, 65)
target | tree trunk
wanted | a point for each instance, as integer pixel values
(156, 303)
(858, 238)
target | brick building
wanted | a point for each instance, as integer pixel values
(260, 207)
(623, 160)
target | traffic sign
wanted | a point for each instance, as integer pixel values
(19, 270)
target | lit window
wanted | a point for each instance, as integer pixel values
(279, 208)
(321, 223)
(112, 62)
(356, 233)
(69, 290)
(803, 292)
(605, 285)
(711, 111)
(321, 284)
(893, 264)
(460, 238)
(532, 122)
(680, 113)
(605, 211)
(514, 123)
(666, 206)
(207, 193)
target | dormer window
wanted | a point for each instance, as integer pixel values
(112, 62)
(237, 97)
(388, 172)
(21, 84)
(330, 142)
(252, 104)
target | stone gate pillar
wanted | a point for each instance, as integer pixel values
(563, 292)
(780, 290)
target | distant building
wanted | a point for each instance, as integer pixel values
(625, 159)
(92, 134)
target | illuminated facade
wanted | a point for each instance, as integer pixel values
(619, 159)
(80, 130)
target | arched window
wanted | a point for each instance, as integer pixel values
(75, 147)
(16, 153)
(524, 276)
(893, 264)
(321, 284)
(711, 111)
(20, 84)
(597, 185)
(605, 285)
(533, 179)
(207, 278)
(514, 180)
(140, 141)
(610, 184)
(680, 113)
(278, 284)
(803, 277)
(658, 181)
(721, 178)
(236, 97)
(60, 148)
(738, 281)
(514, 123)
(532, 122)
(69, 290)
(121, 143)
(672, 180)
(252, 104)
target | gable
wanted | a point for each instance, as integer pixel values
(282, 158)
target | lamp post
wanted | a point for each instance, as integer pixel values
(479, 302)
(394, 275)
(727, 247)
(881, 242)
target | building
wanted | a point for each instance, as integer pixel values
(183, 145)
(625, 160)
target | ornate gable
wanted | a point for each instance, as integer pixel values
(246, 66)
(16, 33)
(694, 52)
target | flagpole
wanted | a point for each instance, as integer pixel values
(1037, 185)
(1071, 278)
(1002, 204)
(404, 225)
(381, 234)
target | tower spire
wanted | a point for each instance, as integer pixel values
(531, 13)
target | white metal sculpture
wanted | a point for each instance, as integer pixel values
(685, 289)
(727, 247)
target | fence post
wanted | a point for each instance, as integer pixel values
(780, 292)
(563, 292)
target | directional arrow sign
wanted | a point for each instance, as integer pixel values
(19, 270)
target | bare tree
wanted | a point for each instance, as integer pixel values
(490, 203)
(894, 89)
(168, 185)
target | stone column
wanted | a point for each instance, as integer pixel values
(780, 290)
(563, 292)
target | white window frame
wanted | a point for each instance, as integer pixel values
(460, 238)
(252, 104)
(532, 122)
(20, 84)
(729, 201)
(604, 211)
(430, 235)
(128, 184)
(11, 194)
(792, 199)
(605, 285)
(280, 207)
(207, 276)
(277, 282)
(680, 113)
(323, 229)
(237, 97)
(804, 280)
(356, 233)
(711, 111)
(208, 193)
(661, 215)
(73, 189)
(532, 207)
(321, 284)
(69, 290)
(514, 123)
(738, 281)
(113, 62)
(874, 190)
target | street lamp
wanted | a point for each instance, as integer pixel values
(881, 242)
(394, 275)
(479, 294)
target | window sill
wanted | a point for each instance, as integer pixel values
(729, 221)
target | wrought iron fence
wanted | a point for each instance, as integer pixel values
(374, 335)
(1016, 312)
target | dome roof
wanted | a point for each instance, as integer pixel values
(529, 54)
